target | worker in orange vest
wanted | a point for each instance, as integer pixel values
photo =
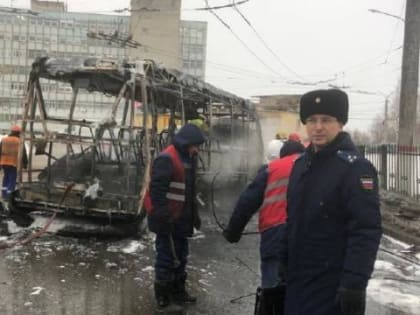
(266, 194)
(9, 149)
(172, 215)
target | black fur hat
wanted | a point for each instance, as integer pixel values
(331, 102)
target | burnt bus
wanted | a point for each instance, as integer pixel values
(89, 162)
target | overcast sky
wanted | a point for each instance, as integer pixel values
(312, 41)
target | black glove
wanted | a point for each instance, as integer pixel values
(351, 302)
(231, 237)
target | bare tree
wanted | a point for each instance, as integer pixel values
(360, 137)
(384, 128)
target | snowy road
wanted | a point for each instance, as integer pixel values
(56, 275)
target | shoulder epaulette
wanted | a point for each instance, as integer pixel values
(348, 156)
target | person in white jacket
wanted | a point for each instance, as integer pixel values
(273, 148)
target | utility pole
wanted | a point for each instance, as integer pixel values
(409, 74)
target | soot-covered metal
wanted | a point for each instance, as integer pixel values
(107, 162)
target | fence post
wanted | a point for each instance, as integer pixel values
(384, 166)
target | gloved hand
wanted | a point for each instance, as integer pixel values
(351, 302)
(231, 237)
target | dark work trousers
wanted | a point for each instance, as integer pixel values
(9, 180)
(165, 268)
(270, 273)
(271, 266)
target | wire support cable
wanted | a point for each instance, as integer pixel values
(243, 42)
(248, 22)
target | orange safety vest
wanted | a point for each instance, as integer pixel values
(273, 210)
(176, 194)
(9, 151)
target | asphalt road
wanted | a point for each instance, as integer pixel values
(56, 275)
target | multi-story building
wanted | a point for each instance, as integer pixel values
(194, 41)
(48, 6)
(25, 35)
(156, 26)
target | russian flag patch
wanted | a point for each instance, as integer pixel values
(367, 183)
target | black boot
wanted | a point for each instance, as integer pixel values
(163, 290)
(180, 294)
(270, 301)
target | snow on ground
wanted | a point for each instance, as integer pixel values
(396, 243)
(130, 247)
(392, 294)
(81, 270)
(395, 282)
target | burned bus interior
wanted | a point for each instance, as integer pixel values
(104, 160)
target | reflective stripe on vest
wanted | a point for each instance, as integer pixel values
(177, 185)
(273, 210)
(277, 183)
(9, 151)
(175, 197)
(176, 194)
(281, 196)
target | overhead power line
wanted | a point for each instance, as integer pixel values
(235, 8)
(388, 14)
(207, 8)
(115, 37)
(241, 41)
(223, 67)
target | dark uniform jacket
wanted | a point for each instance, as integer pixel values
(333, 228)
(161, 221)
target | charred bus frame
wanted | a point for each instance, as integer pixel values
(112, 158)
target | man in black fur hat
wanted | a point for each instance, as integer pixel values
(334, 222)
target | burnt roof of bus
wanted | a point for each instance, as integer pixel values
(109, 75)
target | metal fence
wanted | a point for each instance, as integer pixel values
(398, 167)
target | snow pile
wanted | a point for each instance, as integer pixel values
(390, 293)
(125, 247)
(40, 222)
(395, 282)
(36, 290)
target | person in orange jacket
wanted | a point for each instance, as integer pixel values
(9, 152)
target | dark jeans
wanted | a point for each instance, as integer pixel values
(270, 273)
(271, 262)
(9, 180)
(165, 267)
